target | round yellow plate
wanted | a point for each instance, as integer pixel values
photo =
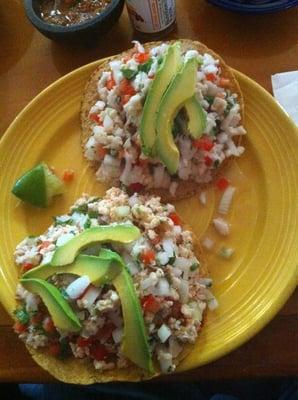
(253, 284)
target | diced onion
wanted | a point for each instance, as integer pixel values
(163, 287)
(226, 200)
(221, 226)
(77, 287)
(90, 296)
(122, 211)
(164, 332)
(168, 246)
(212, 304)
(163, 257)
(117, 334)
(182, 262)
(64, 239)
(208, 243)
(203, 198)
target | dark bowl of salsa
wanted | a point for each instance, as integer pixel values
(73, 20)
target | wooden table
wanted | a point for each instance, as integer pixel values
(256, 45)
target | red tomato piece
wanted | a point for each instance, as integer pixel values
(101, 152)
(36, 318)
(98, 352)
(126, 87)
(141, 57)
(19, 327)
(110, 83)
(27, 266)
(106, 331)
(136, 187)
(147, 256)
(150, 304)
(54, 349)
(48, 325)
(211, 77)
(68, 175)
(96, 118)
(175, 218)
(84, 342)
(44, 244)
(208, 161)
(204, 143)
(222, 183)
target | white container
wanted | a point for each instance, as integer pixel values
(151, 16)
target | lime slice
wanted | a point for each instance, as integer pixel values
(38, 186)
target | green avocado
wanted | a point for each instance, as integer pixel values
(197, 117)
(165, 73)
(121, 233)
(63, 316)
(181, 88)
(99, 271)
(38, 186)
(135, 342)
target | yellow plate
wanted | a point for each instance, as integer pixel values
(251, 286)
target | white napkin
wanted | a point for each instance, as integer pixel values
(285, 90)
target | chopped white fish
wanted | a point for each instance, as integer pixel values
(226, 200)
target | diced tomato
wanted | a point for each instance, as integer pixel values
(48, 325)
(96, 118)
(176, 310)
(98, 352)
(68, 175)
(55, 349)
(110, 83)
(204, 143)
(101, 151)
(27, 266)
(175, 218)
(125, 99)
(211, 77)
(84, 342)
(136, 187)
(126, 87)
(208, 161)
(222, 183)
(36, 318)
(147, 256)
(224, 82)
(19, 327)
(150, 304)
(106, 331)
(44, 244)
(141, 57)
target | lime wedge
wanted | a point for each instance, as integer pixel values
(38, 186)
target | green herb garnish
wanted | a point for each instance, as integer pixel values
(22, 315)
(128, 73)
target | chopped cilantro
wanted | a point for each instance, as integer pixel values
(87, 224)
(216, 163)
(64, 294)
(22, 316)
(65, 350)
(228, 108)
(94, 200)
(172, 259)
(145, 67)
(92, 214)
(128, 73)
(160, 60)
(194, 266)
(80, 209)
(210, 99)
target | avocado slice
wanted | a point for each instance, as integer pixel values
(165, 73)
(180, 89)
(63, 316)
(99, 271)
(38, 186)
(123, 233)
(135, 342)
(197, 117)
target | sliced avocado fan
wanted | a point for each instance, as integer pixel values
(165, 73)
(63, 316)
(121, 233)
(197, 117)
(99, 271)
(181, 88)
(135, 341)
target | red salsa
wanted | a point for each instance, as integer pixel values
(70, 12)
